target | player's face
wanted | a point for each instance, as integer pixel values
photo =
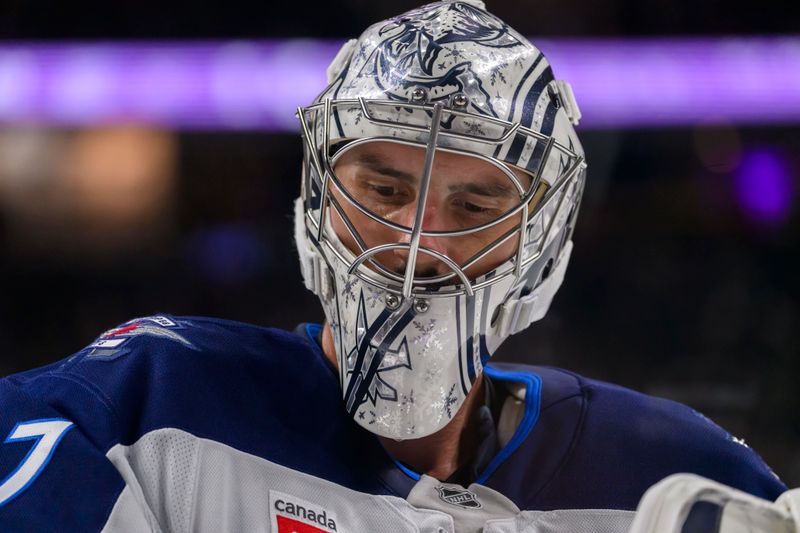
(464, 192)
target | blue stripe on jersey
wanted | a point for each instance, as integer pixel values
(533, 390)
(407, 471)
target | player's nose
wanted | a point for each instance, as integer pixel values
(427, 265)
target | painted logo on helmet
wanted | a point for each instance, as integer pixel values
(391, 359)
(365, 363)
(417, 51)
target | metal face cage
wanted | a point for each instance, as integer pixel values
(545, 209)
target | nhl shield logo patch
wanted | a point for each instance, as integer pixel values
(458, 496)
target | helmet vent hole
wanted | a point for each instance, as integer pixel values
(495, 316)
(547, 268)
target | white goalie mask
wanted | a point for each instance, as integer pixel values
(442, 179)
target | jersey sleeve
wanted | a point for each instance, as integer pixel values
(607, 445)
(656, 437)
(66, 429)
(54, 475)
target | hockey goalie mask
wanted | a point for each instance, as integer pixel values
(442, 178)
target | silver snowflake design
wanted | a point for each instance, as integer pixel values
(449, 401)
(359, 114)
(429, 336)
(407, 401)
(474, 128)
(346, 331)
(497, 70)
(348, 286)
(424, 330)
(349, 86)
(432, 374)
(382, 420)
(455, 53)
(373, 297)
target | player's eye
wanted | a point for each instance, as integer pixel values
(474, 208)
(379, 193)
(471, 207)
(383, 190)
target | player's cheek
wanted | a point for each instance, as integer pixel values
(340, 228)
(471, 245)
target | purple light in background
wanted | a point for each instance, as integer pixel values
(258, 84)
(234, 85)
(655, 82)
(764, 185)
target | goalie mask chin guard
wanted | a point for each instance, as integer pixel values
(447, 78)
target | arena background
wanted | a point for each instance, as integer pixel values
(684, 281)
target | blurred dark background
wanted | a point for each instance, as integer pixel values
(136, 19)
(676, 286)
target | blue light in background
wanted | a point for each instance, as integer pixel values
(230, 254)
(763, 185)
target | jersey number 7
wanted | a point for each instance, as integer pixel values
(46, 434)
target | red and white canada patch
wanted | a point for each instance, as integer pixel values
(291, 514)
(289, 525)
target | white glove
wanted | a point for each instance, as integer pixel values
(685, 503)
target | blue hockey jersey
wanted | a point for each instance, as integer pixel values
(197, 424)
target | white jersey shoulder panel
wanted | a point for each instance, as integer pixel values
(178, 482)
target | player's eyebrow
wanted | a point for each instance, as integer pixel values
(487, 188)
(375, 164)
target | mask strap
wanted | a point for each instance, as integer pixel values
(562, 92)
(315, 272)
(516, 314)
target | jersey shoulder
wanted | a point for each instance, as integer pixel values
(139, 403)
(601, 445)
(170, 371)
(667, 436)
